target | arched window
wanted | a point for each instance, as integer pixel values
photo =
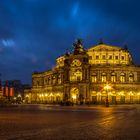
(53, 79)
(76, 75)
(113, 77)
(131, 77)
(103, 77)
(94, 77)
(59, 79)
(122, 77)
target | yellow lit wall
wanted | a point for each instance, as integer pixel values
(105, 54)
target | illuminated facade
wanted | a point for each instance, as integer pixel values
(89, 76)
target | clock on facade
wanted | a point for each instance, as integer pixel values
(76, 62)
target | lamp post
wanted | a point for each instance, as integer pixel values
(107, 87)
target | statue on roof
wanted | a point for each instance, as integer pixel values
(67, 52)
(78, 47)
(125, 47)
(101, 41)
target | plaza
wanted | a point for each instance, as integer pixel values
(33, 122)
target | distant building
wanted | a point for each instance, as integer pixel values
(13, 88)
(1, 92)
(93, 75)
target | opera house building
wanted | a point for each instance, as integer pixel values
(95, 75)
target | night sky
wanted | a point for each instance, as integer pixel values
(33, 33)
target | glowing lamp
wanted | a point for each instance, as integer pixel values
(19, 95)
(107, 87)
(74, 96)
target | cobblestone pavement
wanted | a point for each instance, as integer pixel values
(43, 122)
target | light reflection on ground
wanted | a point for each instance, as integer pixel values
(78, 122)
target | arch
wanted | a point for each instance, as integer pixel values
(76, 75)
(103, 77)
(74, 95)
(94, 77)
(113, 77)
(59, 79)
(53, 79)
(122, 77)
(131, 77)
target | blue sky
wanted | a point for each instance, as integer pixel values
(33, 33)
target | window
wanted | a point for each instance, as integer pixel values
(53, 80)
(122, 57)
(113, 77)
(103, 77)
(59, 79)
(76, 75)
(110, 56)
(116, 57)
(103, 57)
(97, 56)
(90, 57)
(131, 77)
(78, 78)
(94, 78)
(122, 77)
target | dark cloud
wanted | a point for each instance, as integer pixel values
(34, 32)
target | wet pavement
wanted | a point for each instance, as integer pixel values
(43, 122)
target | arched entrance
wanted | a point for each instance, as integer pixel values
(74, 95)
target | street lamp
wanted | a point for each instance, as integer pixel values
(107, 87)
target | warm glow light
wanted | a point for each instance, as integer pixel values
(121, 93)
(110, 93)
(107, 87)
(98, 93)
(74, 96)
(19, 95)
(131, 94)
(58, 94)
(27, 96)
